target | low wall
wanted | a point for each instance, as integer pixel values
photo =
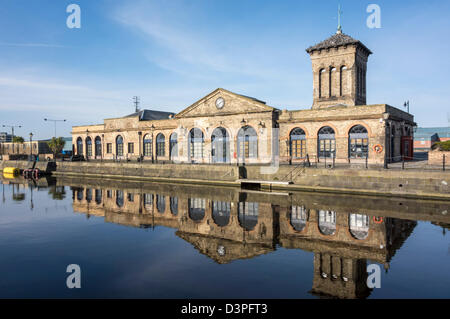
(436, 158)
(225, 173)
(418, 183)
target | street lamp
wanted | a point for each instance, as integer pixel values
(152, 129)
(406, 104)
(54, 121)
(31, 146)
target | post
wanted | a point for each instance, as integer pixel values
(443, 162)
(403, 161)
(31, 146)
(367, 159)
(334, 159)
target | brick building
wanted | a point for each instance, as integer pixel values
(225, 127)
(425, 137)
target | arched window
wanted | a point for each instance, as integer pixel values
(148, 145)
(161, 203)
(98, 196)
(79, 146)
(119, 198)
(327, 222)
(160, 145)
(174, 205)
(247, 143)
(299, 217)
(358, 142)
(98, 146)
(119, 146)
(248, 215)
(197, 208)
(221, 212)
(173, 145)
(343, 81)
(220, 145)
(196, 142)
(331, 79)
(327, 142)
(88, 146)
(321, 75)
(148, 202)
(359, 225)
(298, 143)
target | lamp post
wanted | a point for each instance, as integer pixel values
(54, 121)
(152, 129)
(31, 146)
(243, 124)
(406, 104)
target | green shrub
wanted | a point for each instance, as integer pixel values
(441, 146)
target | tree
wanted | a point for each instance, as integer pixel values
(18, 139)
(56, 145)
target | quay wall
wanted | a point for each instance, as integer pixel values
(391, 182)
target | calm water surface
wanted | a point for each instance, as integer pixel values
(167, 241)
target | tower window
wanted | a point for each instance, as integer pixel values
(331, 79)
(321, 74)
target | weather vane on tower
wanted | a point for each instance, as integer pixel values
(339, 29)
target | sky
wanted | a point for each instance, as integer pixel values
(172, 53)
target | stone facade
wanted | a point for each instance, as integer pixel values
(225, 127)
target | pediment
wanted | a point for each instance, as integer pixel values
(233, 104)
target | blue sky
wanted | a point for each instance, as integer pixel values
(172, 53)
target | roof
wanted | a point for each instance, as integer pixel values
(335, 41)
(148, 115)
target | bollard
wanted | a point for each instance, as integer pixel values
(403, 162)
(443, 162)
(334, 158)
(367, 162)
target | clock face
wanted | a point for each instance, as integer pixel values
(220, 102)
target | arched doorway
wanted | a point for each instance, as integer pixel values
(173, 146)
(327, 142)
(358, 142)
(148, 145)
(196, 144)
(98, 146)
(88, 147)
(297, 143)
(119, 146)
(79, 146)
(220, 146)
(160, 145)
(247, 145)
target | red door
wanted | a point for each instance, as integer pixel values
(407, 147)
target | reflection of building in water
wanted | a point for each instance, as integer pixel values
(227, 225)
(342, 243)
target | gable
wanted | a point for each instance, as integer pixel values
(233, 104)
